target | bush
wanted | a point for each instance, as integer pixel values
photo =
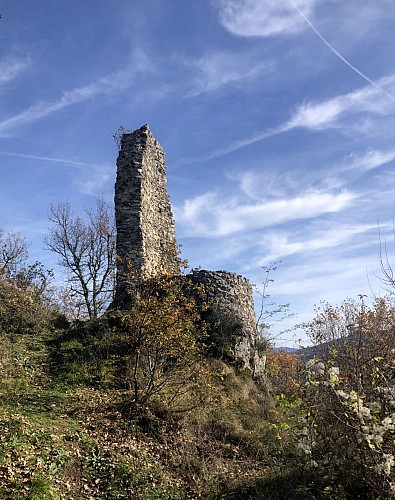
(224, 330)
(161, 336)
(21, 310)
(343, 423)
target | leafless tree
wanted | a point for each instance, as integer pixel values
(270, 313)
(387, 271)
(117, 136)
(86, 250)
(13, 252)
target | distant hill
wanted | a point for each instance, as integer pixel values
(303, 352)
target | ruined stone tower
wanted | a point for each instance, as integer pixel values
(146, 240)
(145, 226)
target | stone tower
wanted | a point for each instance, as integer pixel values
(145, 226)
(231, 295)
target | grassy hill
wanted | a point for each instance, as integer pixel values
(133, 405)
(65, 434)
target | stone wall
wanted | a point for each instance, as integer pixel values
(145, 226)
(231, 294)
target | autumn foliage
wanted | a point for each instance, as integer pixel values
(162, 335)
(282, 368)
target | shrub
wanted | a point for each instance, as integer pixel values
(282, 369)
(224, 331)
(21, 311)
(161, 336)
(344, 423)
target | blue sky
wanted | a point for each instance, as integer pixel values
(276, 116)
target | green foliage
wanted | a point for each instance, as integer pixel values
(90, 441)
(41, 489)
(125, 405)
(281, 484)
(349, 434)
(151, 348)
(21, 311)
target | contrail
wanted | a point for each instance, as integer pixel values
(356, 70)
(56, 160)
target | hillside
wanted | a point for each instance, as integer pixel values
(149, 403)
(67, 436)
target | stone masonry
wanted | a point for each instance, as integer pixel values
(231, 294)
(145, 226)
(146, 239)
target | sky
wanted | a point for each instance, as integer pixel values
(276, 117)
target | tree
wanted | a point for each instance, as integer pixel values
(13, 252)
(269, 313)
(86, 250)
(161, 337)
(346, 413)
(354, 334)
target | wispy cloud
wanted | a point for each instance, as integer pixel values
(111, 84)
(321, 115)
(369, 161)
(98, 174)
(326, 114)
(233, 146)
(337, 53)
(263, 17)
(220, 68)
(268, 179)
(278, 245)
(65, 161)
(270, 17)
(94, 184)
(209, 215)
(11, 67)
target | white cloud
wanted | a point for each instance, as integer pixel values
(278, 245)
(209, 215)
(220, 68)
(11, 67)
(326, 114)
(263, 17)
(343, 112)
(111, 84)
(318, 116)
(370, 160)
(250, 183)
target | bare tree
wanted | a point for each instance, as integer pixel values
(13, 252)
(86, 250)
(388, 275)
(270, 313)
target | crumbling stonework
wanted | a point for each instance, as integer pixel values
(145, 226)
(231, 294)
(146, 240)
